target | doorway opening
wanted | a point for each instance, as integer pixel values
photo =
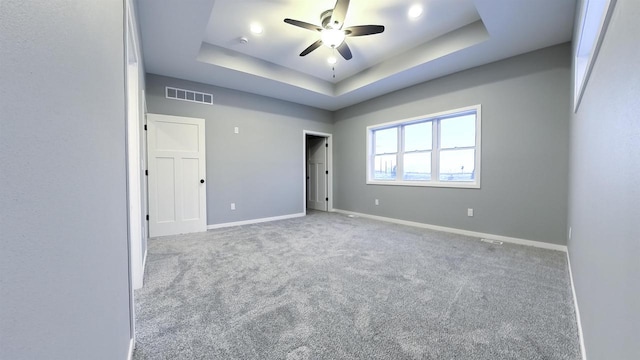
(317, 173)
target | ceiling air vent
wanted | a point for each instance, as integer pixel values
(188, 95)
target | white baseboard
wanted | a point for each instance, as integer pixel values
(575, 305)
(131, 347)
(508, 239)
(254, 221)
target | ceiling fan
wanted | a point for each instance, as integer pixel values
(331, 32)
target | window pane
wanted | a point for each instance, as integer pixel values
(417, 166)
(417, 137)
(385, 167)
(386, 141)
(457, 165)
(458, 132)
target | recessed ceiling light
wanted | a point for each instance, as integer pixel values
(256, 28)
(332, 60)
(415, 11)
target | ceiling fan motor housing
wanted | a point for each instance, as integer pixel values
(325, 20)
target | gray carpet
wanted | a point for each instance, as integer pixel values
(327, 286)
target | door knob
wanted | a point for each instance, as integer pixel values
(201, 181)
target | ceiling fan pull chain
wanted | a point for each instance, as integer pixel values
(333, 67)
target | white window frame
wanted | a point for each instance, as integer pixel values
(435, 150)
(593, 22)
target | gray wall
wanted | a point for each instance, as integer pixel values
(64, 290)
(525, 128)
(261, 168)
(605, 190)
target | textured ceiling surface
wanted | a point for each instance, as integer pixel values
(200, 40)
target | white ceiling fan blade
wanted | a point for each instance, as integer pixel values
(339, 14)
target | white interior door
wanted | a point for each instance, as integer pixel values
(177, 188)
(317, 173)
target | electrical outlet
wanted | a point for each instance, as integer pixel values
(236, 130)
(233, 206)
(377, 202)
(469, 212)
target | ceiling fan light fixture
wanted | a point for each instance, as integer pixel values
(332, 37)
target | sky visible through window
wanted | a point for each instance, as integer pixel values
(457, 161)
(456, 151)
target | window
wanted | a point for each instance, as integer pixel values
(434, 150)
(593, 22)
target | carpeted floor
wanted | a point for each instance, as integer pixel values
(328, 286)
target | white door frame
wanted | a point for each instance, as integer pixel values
(329, 138)
(134, 161)
(144, 183)
(133, 156)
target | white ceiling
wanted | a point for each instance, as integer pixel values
(199, 40)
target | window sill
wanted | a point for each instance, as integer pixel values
(442, 184)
